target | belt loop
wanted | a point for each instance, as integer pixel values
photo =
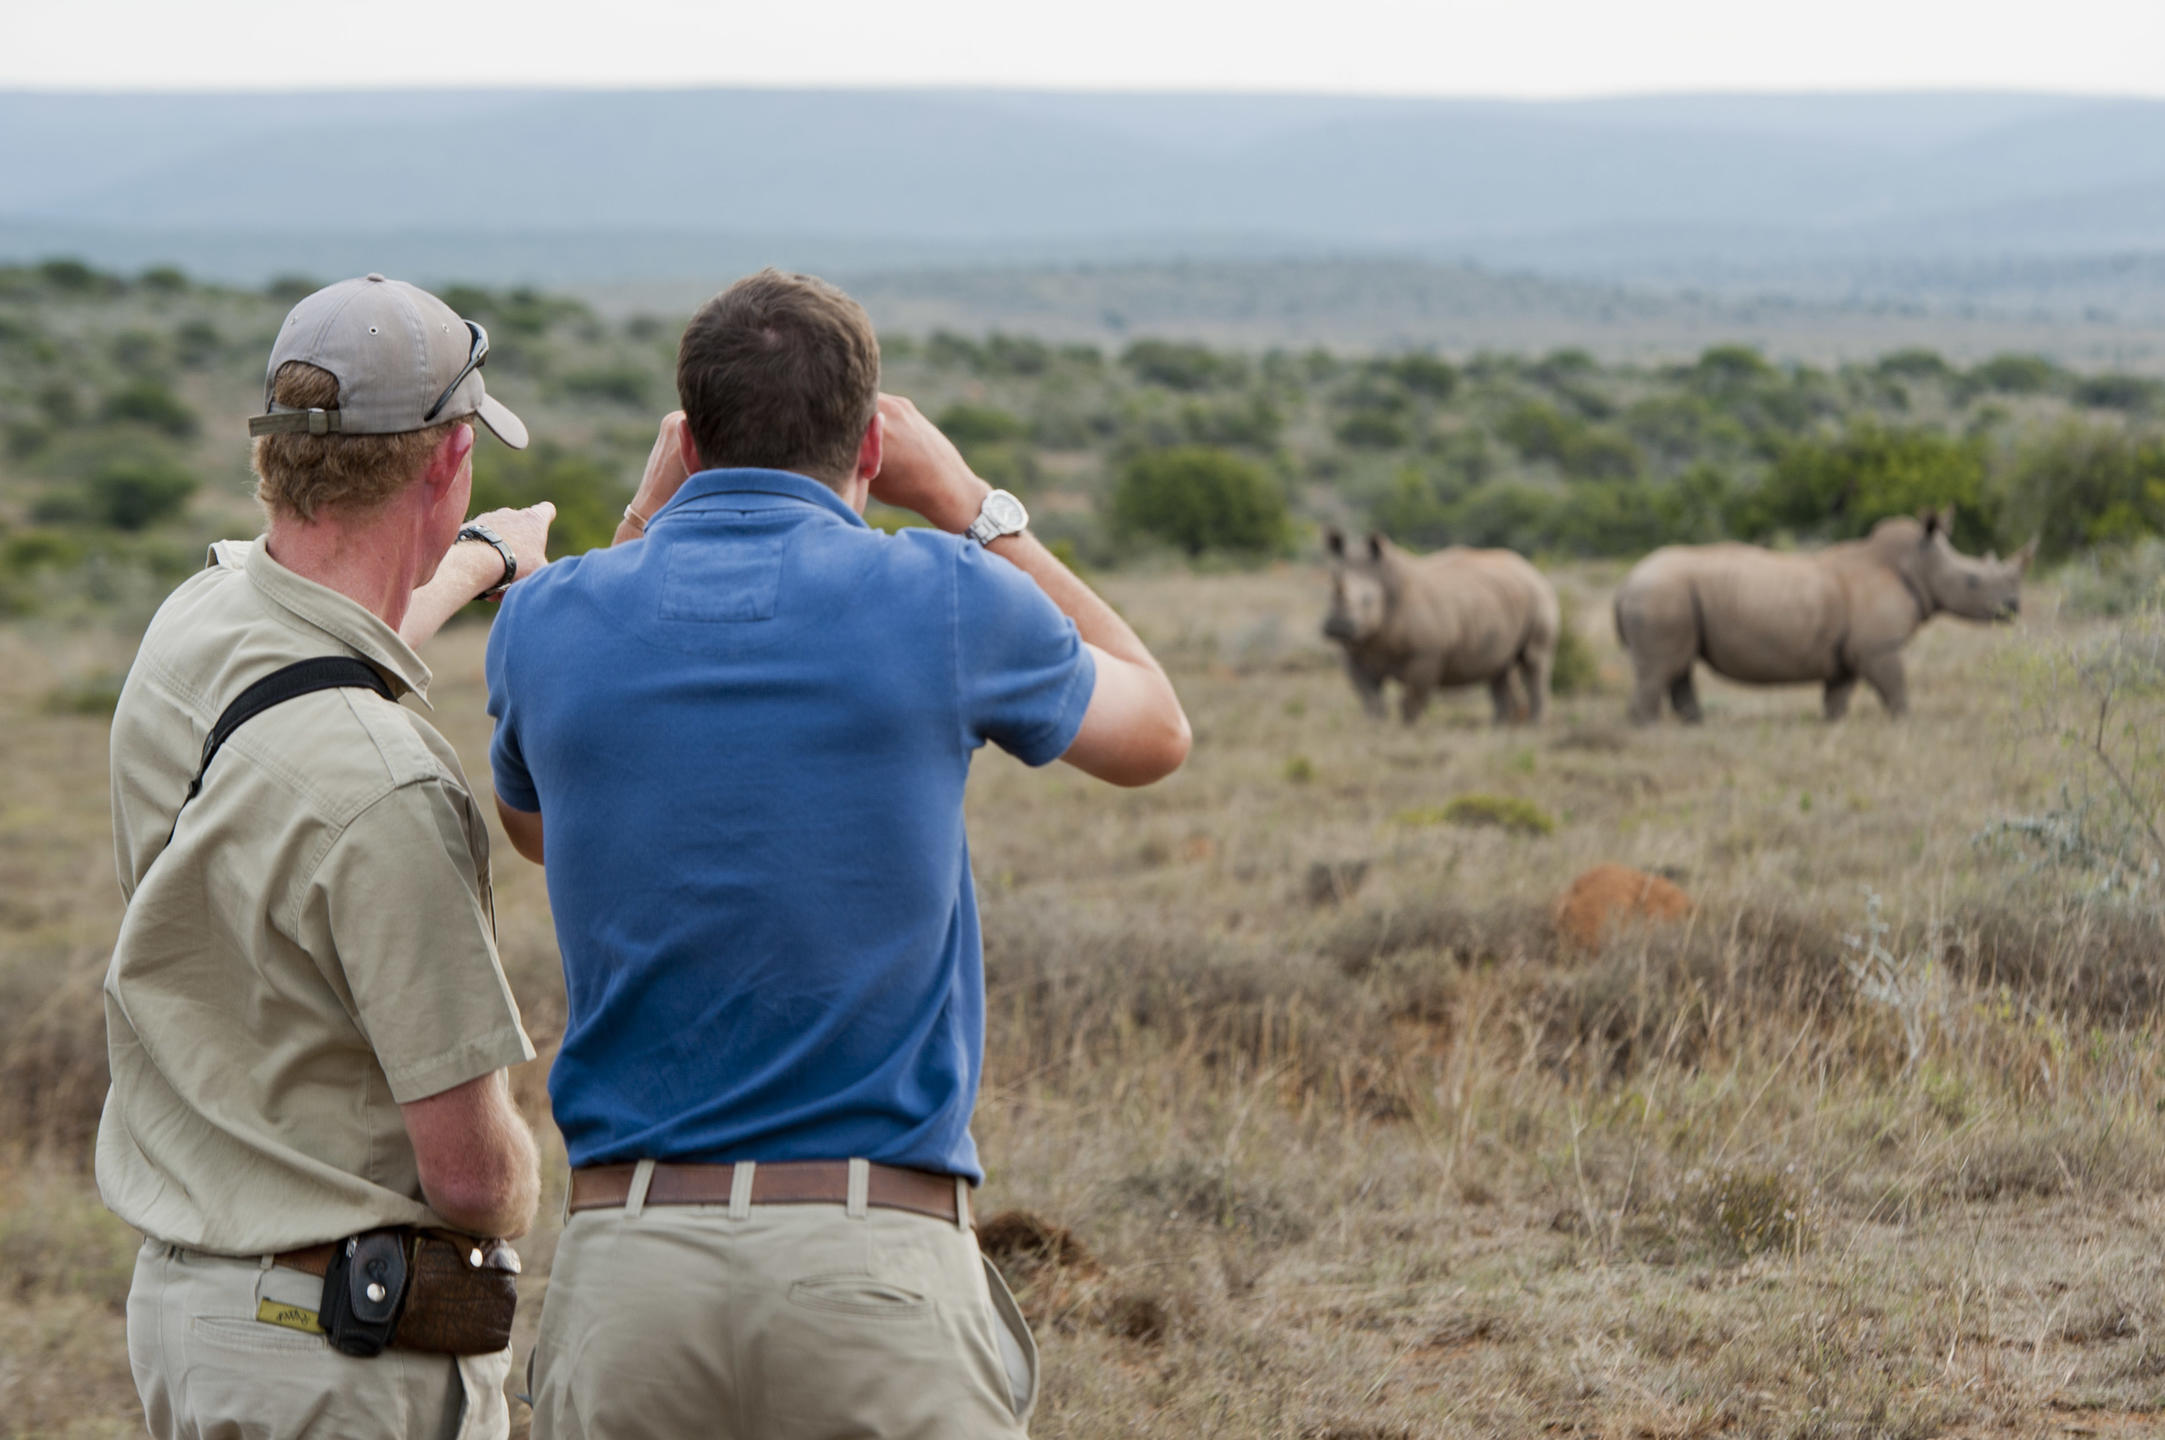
(740, 1189)
(642, 1176)
(963, 1219)
(860, 1188)
(265, 1262)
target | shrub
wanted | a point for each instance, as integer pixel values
(1424, 375)
(198, 344)
(2080, 485)
(290, 290)
(1502, 812)
(134, 495)
(2118, 392)
(1200, 499)
(1015, 355)
(1373, 430)
(624, 385)
(164, 280)
(148, 403)
(73, 277)
(589, 498)
(1540, 431)
(1180, 365)
(1841, 488)
(2016, 374)
(1575, 672)
(1914, 364)
(1252, 423)
(967, 424)
(1731, 367)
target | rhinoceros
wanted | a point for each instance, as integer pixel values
(1831, 617)
(1456, 617)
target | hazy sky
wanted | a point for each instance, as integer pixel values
(1461, 47)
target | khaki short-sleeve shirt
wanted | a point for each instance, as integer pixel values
(314, 948)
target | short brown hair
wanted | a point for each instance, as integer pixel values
(781, 372)
(305, 475)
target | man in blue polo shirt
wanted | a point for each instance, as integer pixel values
(742, 743)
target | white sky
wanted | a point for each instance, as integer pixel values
(1439, 47)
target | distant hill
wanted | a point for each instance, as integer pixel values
(598, 186)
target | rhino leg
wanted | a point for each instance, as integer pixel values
(1685, 697)
(1646, 696)
(1884, 674)
(1836, 701)
(1413, 697)
(1503, 698)
(1534, 669)
(1368, 686)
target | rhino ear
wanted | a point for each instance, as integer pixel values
(1375, 546)
(1334, 540)
(1932, 524)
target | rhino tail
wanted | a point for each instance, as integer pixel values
(1616, 612)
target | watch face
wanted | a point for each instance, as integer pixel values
(1005, 511)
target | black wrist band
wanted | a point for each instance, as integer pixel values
(489, 537)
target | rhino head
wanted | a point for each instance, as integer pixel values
(1360, 588)
(1972, 587)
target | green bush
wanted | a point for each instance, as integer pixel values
(1423, 375)
(136, 494)
(1540, 431)
(625, 385)
(1180, 365)
(1373, 430)
(2082, 484)
(970, 424)
(2118, 392)
(1575, 671)
(1250, 423)
(148, 403)
(1198, 499)
(2016, 374)
(589, 498)
(1840, 488)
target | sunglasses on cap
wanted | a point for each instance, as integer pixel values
(475, 358)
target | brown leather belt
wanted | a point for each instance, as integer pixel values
(314, 1259)
(776, 1182)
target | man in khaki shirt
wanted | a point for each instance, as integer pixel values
(307, 1021)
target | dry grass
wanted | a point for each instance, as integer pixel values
(1304, 1123)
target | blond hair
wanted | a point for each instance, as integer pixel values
(305, 475)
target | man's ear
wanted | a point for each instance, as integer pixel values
(446, 460)
(686, 450)
(871, 450)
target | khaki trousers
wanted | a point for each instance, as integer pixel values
(777, 1322)
(208, 1369)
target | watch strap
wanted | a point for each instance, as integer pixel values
(511, 560)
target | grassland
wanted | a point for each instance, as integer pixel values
(1301, 1122)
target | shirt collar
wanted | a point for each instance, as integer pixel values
(703, 490)
(343, 619)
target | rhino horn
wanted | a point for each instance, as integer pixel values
(2026, 554)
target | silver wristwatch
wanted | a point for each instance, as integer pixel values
(1001, 514)
(474, 530)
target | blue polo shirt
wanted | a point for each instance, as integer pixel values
(748, 736)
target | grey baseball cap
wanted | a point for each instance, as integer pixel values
(404, 361)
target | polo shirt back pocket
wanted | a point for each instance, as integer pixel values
(723, 578)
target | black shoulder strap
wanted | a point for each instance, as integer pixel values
(302, 677)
